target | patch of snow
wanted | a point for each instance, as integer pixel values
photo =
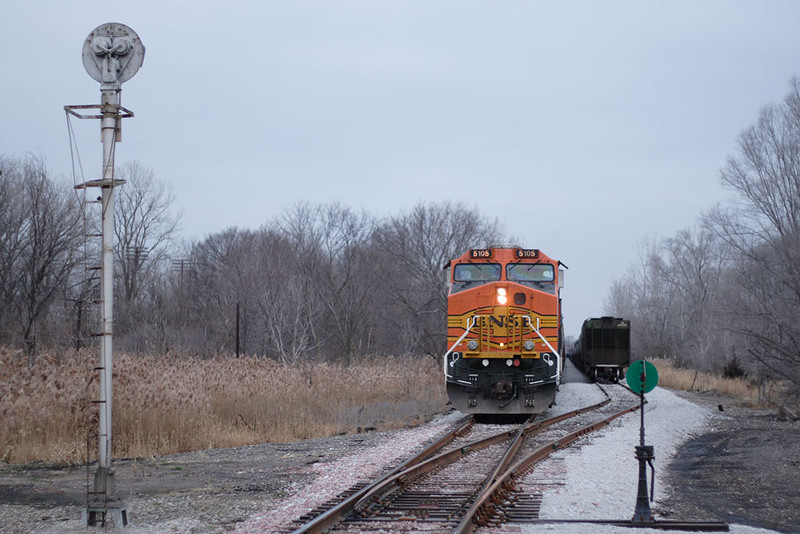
(601, 473)
(575, 395)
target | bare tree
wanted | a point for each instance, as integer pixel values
(144, 225)
(286, 300)
(333, 243)
(417, 245)
(694, 264)
(145, 228)
(49, 239)
(762, 227)
(644, 296)
(212, 286)
(12, 221)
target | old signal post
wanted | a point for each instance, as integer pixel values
(112, 54)
(642, 378)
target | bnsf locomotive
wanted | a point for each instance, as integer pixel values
(503, 331)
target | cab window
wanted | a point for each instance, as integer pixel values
(536, 275)
(466, 275)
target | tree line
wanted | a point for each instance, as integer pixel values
(316, 282)
(724, 295)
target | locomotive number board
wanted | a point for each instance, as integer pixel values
(527, 253)
(480, 253)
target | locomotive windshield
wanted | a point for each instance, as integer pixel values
(536, 275)
(472, 274)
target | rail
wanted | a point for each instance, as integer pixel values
(482, 506)
(466, 511)
(378, 492)
(335, 514)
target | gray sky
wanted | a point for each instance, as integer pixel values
(583, 126)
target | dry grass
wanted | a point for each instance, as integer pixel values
(672, 377)
(164, 405)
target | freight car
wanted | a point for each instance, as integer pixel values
(503, 330)
(603, 349)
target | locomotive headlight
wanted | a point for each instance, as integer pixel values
(472, 344)
(509, 362)
(502, 296)
(530, 345)
(485, 363)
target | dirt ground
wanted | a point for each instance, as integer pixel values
(745, 469)
(203, 491)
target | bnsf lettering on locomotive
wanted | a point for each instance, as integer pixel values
(497, 321)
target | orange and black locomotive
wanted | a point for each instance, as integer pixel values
(503, 331)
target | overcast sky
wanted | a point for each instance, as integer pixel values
(583, 126)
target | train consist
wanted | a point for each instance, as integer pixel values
(603, 349)
(504, 330)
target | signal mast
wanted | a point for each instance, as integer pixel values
(112, 54)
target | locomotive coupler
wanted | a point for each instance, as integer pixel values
(503, 389)
(645, 454)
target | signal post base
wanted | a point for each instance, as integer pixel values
(99, 515)
(103, 508)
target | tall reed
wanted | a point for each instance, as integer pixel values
(673, 377)
(168, 404)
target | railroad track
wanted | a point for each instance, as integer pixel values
(466, 479)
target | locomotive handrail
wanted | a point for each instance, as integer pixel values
(470, 325)
(549, 346)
